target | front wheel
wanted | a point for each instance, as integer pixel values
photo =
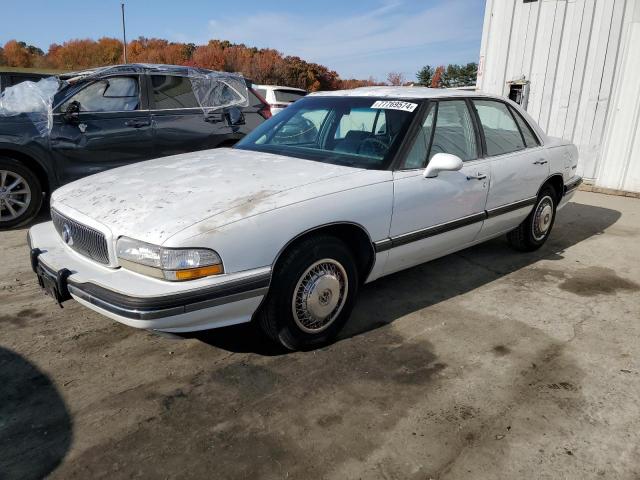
(536, 228)
(20, 193)
(312, 294)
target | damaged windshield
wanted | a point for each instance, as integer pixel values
(354, 131)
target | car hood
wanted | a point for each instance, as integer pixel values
(153, 200)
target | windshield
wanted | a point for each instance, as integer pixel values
(355, 131)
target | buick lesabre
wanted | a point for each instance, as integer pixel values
(339, 189)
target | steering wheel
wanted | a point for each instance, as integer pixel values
(376, 146)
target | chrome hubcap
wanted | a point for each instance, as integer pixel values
(15, 195)
(320, 295)
(542, 218)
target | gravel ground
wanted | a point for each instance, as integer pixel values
(484, 364)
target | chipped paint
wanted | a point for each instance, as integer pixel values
(155, 199)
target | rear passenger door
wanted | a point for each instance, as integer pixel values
(435, 216)
(179, 123)
(518, 165)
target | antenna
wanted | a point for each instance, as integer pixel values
(124, 34)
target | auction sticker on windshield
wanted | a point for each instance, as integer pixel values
(395, 105)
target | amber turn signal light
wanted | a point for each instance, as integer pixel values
(193, 273)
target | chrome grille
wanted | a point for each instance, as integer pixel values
(84, 240)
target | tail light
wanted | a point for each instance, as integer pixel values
(265, 110)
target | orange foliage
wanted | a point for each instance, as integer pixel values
(16, 54)
(261, 65)
(436, 81)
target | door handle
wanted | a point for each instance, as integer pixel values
(540, 162)
(214, 118)
(137, 123)
(478, 176)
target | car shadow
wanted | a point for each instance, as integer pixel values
(397, 295)
(36, 429)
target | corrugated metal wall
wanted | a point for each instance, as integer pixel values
(578, 56)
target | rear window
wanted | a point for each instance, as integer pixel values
(172, 92)
(261, 91)
(288, 96)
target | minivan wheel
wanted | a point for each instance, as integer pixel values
(536, 228)
(20, 193)
(312, 294)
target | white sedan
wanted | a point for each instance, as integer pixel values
(339, 189)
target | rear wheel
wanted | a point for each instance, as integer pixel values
(312, 294)
(536, 228)
(20, 193)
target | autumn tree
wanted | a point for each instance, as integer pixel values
(395, 78)
(210, 56)
(355, 83)
(261, 65)
(436, 81)
(19, 54)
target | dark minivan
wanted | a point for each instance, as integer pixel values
(108, 118)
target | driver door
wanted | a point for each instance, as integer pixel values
(112, 128)
(439, 215)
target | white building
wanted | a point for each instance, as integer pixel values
(575, 65)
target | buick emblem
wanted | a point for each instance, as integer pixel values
(66, 234)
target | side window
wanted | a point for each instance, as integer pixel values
(454, 132)
(417, 157)
(172, 92)
(501, 133)
(529, 137)
(113, 94)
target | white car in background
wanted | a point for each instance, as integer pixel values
(278, 97)
(338, 190)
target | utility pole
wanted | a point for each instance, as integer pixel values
(124, 34)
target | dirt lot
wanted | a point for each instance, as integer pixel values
(484, 364)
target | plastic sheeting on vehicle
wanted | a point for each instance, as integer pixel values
(33, 99)
(213, 90)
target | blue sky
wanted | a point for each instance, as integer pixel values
(356, 38)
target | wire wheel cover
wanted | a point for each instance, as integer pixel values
(542, 218)
(319, 296)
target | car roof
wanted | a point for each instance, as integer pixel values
(400, 92)
(281, 87)
(137, 68)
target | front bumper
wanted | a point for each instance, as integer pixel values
(140, 301)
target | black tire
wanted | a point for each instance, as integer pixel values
(536, 228)
(334, 261)
(33, 199)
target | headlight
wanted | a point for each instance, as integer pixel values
(174, 264)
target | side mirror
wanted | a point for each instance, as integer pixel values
(72, 113)
(235, 116)
(442, 162)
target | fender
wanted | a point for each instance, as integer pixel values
(33, 152)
